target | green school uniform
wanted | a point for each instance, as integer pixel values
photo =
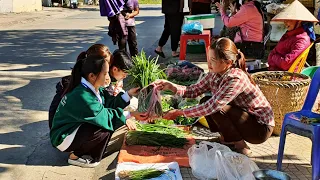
(82, 106)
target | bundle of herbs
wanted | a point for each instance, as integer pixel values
(162, 129)
(145, 70)
(154, 139)
(140, 174)
(157, 135)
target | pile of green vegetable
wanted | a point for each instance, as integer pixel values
(307, 120)
(145, 70)
(164, 122)
(175, 103)
(140, 174)
(157, 135)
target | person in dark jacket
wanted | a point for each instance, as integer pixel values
(172, 27)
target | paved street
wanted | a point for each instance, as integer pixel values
(36, 50)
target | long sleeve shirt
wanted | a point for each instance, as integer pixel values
(233, 87)
(249, 20)
(290, 46)
(84, 105)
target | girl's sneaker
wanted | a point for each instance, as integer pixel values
(86, 163)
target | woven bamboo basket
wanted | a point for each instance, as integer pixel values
(286, 92)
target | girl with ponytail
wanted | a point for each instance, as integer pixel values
(96, 49)
(85, 119)
(237, 108)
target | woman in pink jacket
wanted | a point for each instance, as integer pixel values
(297, 38)
(249, 19)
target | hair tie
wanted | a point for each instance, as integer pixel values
(239, 54)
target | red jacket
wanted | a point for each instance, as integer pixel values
(290, 46)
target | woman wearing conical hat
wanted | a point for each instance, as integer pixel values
(299, 23)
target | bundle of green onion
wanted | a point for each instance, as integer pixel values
(156, 135)
(161, 129)
(140, 174)
(154, 139)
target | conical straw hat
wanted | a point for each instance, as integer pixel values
(295, 11)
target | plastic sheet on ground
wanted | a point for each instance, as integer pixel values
(151, 154)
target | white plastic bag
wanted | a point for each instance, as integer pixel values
(202, 158)
(234, 166)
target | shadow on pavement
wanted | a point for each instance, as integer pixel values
(33, 139)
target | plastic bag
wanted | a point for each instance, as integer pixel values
(202, 158)
(233, 165)
(192, 28)
(149, 100)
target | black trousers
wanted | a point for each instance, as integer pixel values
(90, 140)
(235, 124)
(200, 8)
(172, 27)
(132, 41)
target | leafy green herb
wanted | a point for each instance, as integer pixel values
(180, 120)
(145, 70)
(164, 122)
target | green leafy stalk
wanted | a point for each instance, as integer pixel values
(145, 70)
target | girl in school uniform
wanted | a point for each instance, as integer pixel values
(237, 109)
(120, 62)
(84, 121)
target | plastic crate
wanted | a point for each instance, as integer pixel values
(196, 48)
(207, 20)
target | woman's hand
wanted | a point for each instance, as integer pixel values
(131, 124)
(128, 16)
(140, 116)
(164, 85)
(232, 8)
(221, 6)
(173, 114)
(134, 91)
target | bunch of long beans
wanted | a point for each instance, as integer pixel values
(140, 174)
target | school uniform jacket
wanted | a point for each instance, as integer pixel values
(82, 106)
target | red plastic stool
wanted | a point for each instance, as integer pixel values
(185, 37)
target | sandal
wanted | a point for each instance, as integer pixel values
(86, 163)
(161, 54)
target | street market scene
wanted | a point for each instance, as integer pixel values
(160, 89)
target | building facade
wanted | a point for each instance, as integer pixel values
(20, 5)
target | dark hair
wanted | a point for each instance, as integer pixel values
(122, 60)
(96, 49)
(225, 49)
(237, 4)
(91, 64)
